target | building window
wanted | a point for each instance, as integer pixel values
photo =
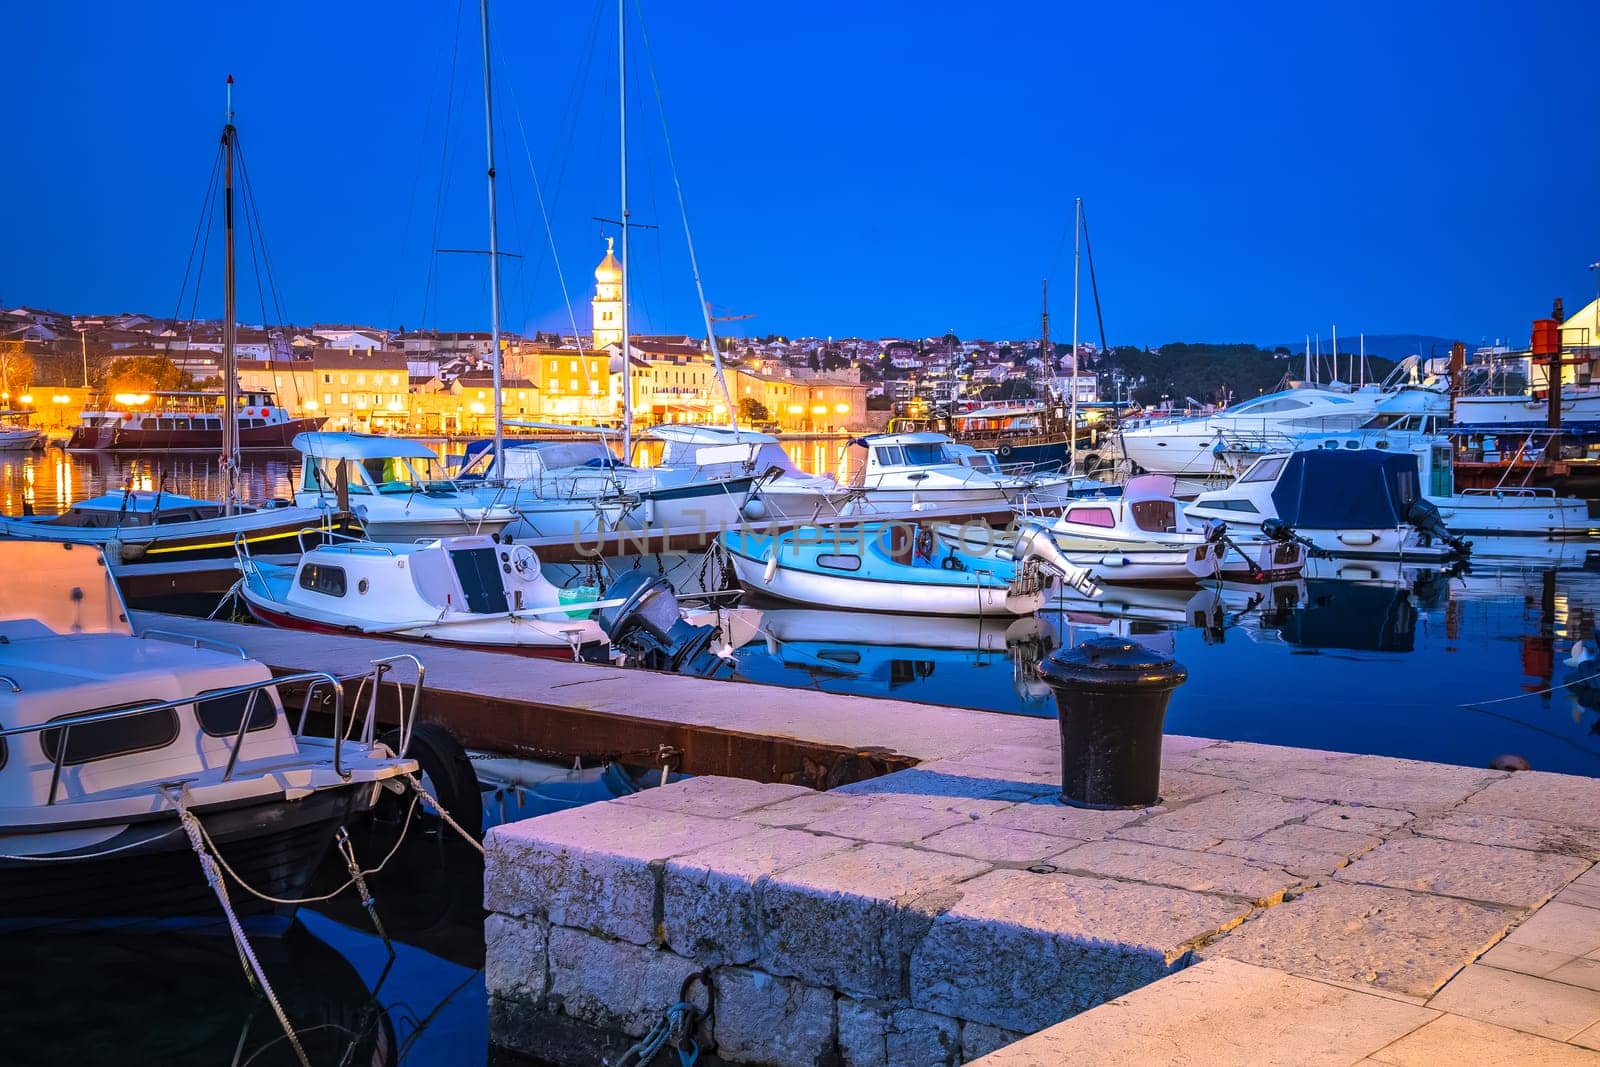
(344, 398)
(572, 366)
(327, 398)
(327, 379)
(573, 385)
(594, 388)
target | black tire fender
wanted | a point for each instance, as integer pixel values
(446, 768)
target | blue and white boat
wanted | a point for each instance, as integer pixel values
(898, 568)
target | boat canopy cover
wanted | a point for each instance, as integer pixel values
(1361, 489)
(325, 444)
(1150, 487)
(686, 433)
(140, 502)
(529, 459)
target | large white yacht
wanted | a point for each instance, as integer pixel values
(1189, 445)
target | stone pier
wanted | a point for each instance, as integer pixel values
(941, 913)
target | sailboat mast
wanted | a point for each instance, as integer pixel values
(1336, 353)
(1072, 411)
(230, 359)
(494, 246)
(622, 135)
(1308, 359)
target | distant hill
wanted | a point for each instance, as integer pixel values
(1391, 346)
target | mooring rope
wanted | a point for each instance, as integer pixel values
(429, 800)
(297, 901)
(219, 886)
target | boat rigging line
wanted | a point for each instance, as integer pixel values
(683, 212)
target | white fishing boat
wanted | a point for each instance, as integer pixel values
(728, 474)
(470, 591)
(896, 568)
(112, 737)
(397, 488)
(15, 433)
(1346, 502)
(1145, 535)
(910, 471)
(1030, 488)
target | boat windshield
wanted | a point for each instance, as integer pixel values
(405, 474)
(924, 455)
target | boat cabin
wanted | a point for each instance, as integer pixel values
(116, 511)
(869, 460)
(369, 464)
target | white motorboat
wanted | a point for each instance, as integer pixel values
(1030, 488)
(567, 486)
(1346, 502)
(910, 471)
(397, 488)
(750, 472)
(109, 735)
(15, 433)
(471, 591)
(1145, 535)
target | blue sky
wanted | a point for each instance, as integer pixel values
(1251, 172)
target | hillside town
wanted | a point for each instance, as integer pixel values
(393, 380)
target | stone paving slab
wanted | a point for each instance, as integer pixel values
(1391, 939)
(1235, 814)
(1485, 828)
(709, 895)
(1538, 795)
(1086, 940)
(1520, 1001)
(715, 797)
(1507, 876)
(1199, 872)
(1223, 1012)
(1459, 1042)
(835, 921)
(594, 867)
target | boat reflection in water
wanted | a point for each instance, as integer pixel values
(194, 1006)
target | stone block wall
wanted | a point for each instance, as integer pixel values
(828, 935)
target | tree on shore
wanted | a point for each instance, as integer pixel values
(16, 368)
(146, 374)
(753, 410)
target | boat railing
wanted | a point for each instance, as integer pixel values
(196, 641)
(313, 680)
(331, 538)
(1513, 490)
(12, 682)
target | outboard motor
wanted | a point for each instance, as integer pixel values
(1278, 530)
(650, 630)
(1430, 524)
(1034, 544)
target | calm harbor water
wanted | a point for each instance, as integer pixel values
(1453, 666)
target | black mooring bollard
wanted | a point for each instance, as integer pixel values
(1111, 699)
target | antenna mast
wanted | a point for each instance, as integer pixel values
(1072, 417)
(494, 247)
(622, 133)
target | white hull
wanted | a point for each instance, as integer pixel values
(1513, 513)
(1171, 451)
(1397, 544)
(889, 597)
(425, 527)
(1520, 412)
(19, 440)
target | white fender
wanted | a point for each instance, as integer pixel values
(771, 570)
